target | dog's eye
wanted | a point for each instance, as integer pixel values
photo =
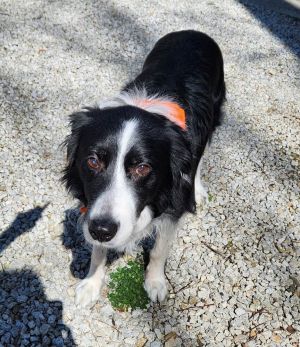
(95, 164)
(139, 171)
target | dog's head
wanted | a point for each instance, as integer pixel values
(127, 166)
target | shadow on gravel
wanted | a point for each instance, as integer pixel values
(73, 239)
(125, 27)
(17, 99)
(24, 222)
(268, 158)
(278, 24)
(27, 318)
(121, 25)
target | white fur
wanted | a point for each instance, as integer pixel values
(88, 290)
(201, 195)
(136, 97)
(155, 281)
(142, 228)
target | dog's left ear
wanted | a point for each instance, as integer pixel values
(70, 174)
(183, 197)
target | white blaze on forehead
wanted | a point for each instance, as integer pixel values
(126, 141)
(118, 201)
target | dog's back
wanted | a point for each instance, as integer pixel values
(187, 66)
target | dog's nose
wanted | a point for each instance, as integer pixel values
(103, 229)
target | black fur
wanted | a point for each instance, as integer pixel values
(186, 66)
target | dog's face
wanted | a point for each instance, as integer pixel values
(127, 166)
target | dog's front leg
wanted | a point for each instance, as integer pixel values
(88, 290)
(155, 281)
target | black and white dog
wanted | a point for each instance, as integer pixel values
(134, 161)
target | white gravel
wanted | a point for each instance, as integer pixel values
(234, 270)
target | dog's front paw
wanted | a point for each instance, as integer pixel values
(87, 291)
(156, 288)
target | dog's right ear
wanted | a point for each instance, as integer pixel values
(71, 176)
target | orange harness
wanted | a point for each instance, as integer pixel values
(175, 114)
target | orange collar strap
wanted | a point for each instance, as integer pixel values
(169, 109)
(83, 209)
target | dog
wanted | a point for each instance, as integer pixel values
(134, 160)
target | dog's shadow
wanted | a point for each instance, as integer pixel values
(73, 239)
(27, 316)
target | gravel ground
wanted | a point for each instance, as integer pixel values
(234, 270)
